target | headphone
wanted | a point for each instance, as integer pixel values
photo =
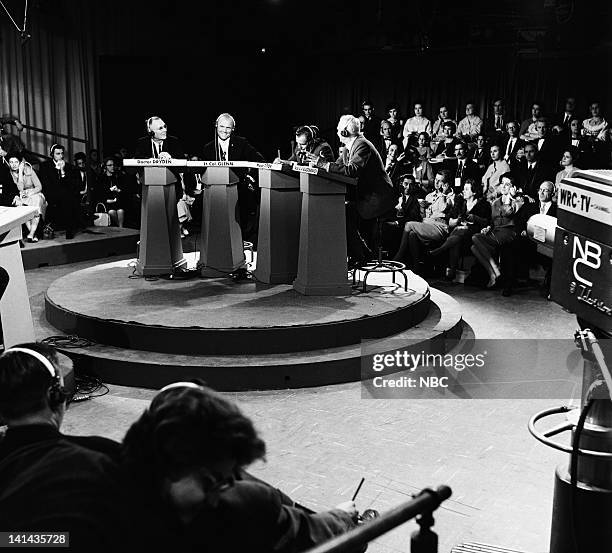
(226, 116)
(344, 132)
(59, 146)
(57, 393)
(192, 385)
(148, 125)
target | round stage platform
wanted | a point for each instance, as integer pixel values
(236, 335)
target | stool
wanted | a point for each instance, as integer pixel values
(248, 247)
(381, 265)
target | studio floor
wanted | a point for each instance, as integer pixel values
(321, 441)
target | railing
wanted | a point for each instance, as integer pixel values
(423, 540)
(54, 135)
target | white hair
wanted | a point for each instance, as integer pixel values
(351, 124)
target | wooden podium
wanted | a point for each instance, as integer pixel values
(161, 251)
(279, 227)
(221, 246)
(322, 266)
(15, 311)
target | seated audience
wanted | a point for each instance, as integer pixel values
(548, 145)
(384, 141)
(495, 128)
(30, 191)
(527, 132)
(570, 112)
(110, 191)
(50, 481)
(93, 162)
(446, 147)
(397, 125)
(576, 140)
(423, 146)
(395, 163)
(61, 188)
(470, 126)
(8, 141)
(87, 183)
(437, 129)
(487, 243)
(461, 167)
(469, 215)
(492, 176)
(594, 128)
(481, 154)
(424, 175)
(434, 227)
(371, 122)
(568, 159)
(512, 144)
(9, 192)
(185, 458)
(307, 141)
(415, 125)
(531, 172)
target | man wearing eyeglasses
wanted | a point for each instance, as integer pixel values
(185, 459)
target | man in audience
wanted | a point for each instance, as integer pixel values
(470, 126)
(384, 141)
(569, 112)
(185, 459)
(527, 131)
(8, 189)
(492, 176)
(61, 188)
(512, 143)
(371, 121)
(87, 183)
(461, 167)
(228, 146)
(374, 194)
(50, 481)
(548, 146)
(532, 171)
(415, 125)
(496, 126)
(395, 163)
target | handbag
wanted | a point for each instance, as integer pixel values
(101, 218)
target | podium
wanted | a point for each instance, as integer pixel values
(161, 251)
(322, 266)
(15, 311)
(221, 246)
(279, 226)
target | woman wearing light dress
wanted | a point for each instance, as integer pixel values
(30, 191)
(568, 159)
(595, 127)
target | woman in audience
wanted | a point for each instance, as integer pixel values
(397, 124)
(493, 174)
(595, 127)
(423, 147)
(568, 159)
(109, 192)
(30, 191)
(446, 148)
(469, 215)
(487, 243)
(438, 126)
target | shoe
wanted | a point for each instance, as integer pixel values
(34, 239)
(449, 274)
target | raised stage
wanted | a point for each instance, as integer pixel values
(237, 335)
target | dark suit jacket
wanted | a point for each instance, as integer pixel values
(172, 145)
(371, 128)
(518, 143)
(470, 170)
(239, 150)
(375, 193)
(317, 148)
(55, 188)
(8, 188)
(530, 181)
(528, 210)
(550, 152)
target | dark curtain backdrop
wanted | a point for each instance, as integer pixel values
(49, 82)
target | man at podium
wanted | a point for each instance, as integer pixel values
(226, 146)
(374, 195)
(157, 144)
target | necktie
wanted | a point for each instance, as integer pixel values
(509, 148)
(497, 121)
(460, 169)
(223, 156)
(542, 209)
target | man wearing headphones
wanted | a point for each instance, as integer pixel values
(309, 146)
(61, 187)
(157, 143)
(50, 481)
(374, 195)
(227, 146)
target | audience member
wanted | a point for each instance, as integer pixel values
(372, 197)
(184, 460)
(93, 161)
(384, 141)
(423, 146)
(395, 163)
(110, 191)
(531, 172)
(61, 188)
(594, 128)
(548, 146)
(8, 189)
(8, 141)
(433, 229)
(438, 126)
(492, 176)
(487, 243)
(527, 131)
(397, 125)
(496, 127)
(471, 125)
(371, 122)
(408, 207)
(480, 154)
(569, 113)
(423, 173)
(469, 215)
(30, 191)
(307, 141)
(446, 147)
(512, 143)
(461, 167)
(578, 141)
(50, 481)
(568, 159)
(415, 125)
(87, 182)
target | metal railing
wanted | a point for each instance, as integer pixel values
(423, 540)
(54, 135)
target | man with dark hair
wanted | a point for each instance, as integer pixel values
(50, 481)
(461, 167)
(86, 179)
(512, 143)
(568, 114)
(307, 141)
(371, 121)
(532, 171)
(184, 459)
(495, 127)
(61, 189)
(8, 188)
